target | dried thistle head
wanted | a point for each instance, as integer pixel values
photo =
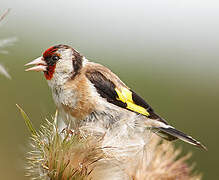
(62, 155)
(160, 162)
(82, 155)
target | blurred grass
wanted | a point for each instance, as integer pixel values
(27, 121)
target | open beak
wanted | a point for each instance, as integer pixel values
(40, 65)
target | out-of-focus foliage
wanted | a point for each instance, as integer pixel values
(3, 43)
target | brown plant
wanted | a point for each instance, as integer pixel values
(73, 155)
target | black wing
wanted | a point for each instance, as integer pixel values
(130, 101)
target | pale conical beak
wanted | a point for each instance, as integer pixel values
(40, 65)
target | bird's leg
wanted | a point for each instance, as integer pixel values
(68, 131)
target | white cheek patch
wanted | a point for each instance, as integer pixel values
(64, 66)
(63, 71)
(66, 54)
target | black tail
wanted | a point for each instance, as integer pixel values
(170, 134)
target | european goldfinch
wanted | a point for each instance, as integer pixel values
(85, 91)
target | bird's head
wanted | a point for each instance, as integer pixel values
(59, 60)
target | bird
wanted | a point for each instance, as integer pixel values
(85, 91)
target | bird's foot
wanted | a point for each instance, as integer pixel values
(67, 131)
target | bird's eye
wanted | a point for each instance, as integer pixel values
(55, 58)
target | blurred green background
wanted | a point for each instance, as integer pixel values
(167, 51)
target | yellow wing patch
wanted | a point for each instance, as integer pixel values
(126, 96)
